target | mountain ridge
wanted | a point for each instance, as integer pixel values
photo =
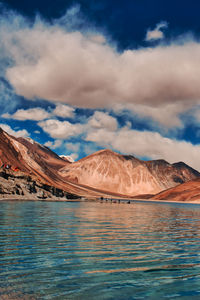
(102, 173)
(125, 174)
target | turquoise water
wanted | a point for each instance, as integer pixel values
(60, 250)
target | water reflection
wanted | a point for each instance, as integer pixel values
(99, 250)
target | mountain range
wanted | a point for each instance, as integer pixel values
(101, 174)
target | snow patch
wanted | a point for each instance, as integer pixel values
(67, 157)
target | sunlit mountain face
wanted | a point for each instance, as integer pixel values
(82, 76)
(32, 168)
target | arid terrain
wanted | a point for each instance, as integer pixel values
(30, 170)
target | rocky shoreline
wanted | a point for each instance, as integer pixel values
(21, 186)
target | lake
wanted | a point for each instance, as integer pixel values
(76, 250)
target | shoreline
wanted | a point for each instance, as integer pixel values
(107, 200)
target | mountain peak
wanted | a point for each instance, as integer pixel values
(128, 157)
(105, 151)
(181, 166)
(158, 162)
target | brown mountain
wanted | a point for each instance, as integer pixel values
(23, 156)
(104, 173)
(188, 191)
(124, 174)
(30, 158)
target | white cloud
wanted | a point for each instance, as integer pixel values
(97, 38)
(61, 130)
(73, 146)
(147, 144)
(53, 145)
(39, 114)
(195, 114)
(17, 133)
(71, 67)
(64, 129)
(8, 99)
(102, 120)
(90, 148)
(64, 111)
(156, 34)
(167, 115)
(35, 114)
(74, 156)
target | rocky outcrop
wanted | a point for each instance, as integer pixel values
(14, 185)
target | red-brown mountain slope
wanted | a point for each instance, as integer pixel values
(188, 191)
(29, 156)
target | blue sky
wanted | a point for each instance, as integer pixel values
(79, 76)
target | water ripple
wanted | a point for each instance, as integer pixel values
(99, 251)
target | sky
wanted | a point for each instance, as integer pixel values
(80, 76)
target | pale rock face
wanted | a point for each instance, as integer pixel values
(109, 171)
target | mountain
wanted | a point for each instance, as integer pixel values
(27, 157)
(188, 191)
(30, 157)
(104, 173)
(124, 174)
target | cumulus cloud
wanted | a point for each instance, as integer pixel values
(39, 114)
(195, 115)
(17, 133)
(147, 144)
(103, 120)
(64, 111)
(167, 115)
(34, 114)
(73, 146)
(61, 130)
(8, 99)
(90, 148)
(64, 129)
(156, 34)
(98, 38)
(49, 62)
(53, 145)
(74, 156)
